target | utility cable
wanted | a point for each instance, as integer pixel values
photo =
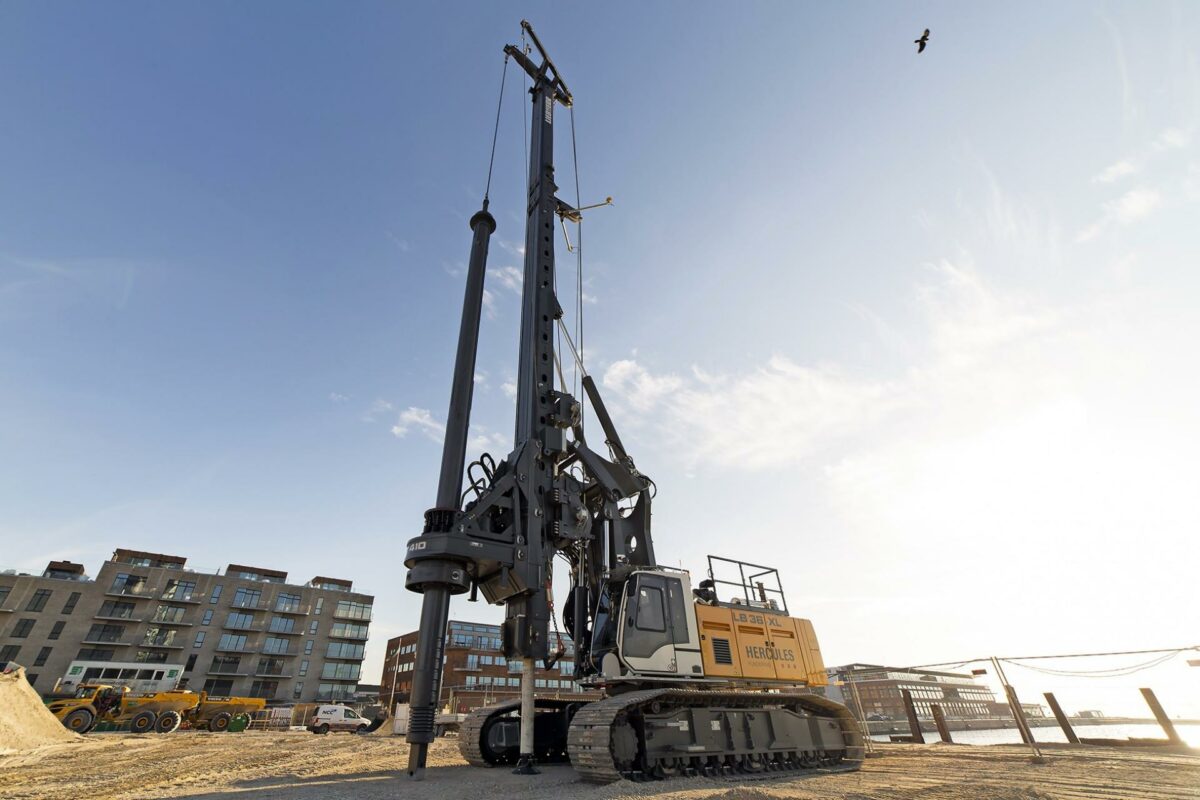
(578, 270)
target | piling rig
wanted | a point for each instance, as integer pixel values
(692, 683)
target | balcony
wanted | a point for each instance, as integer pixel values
(162, 645)
(272, 675)
(247, 628)
(194, 599)
(353, 616)
(253, 605)
(356, 637)
(291, 608)
(157, 621)
(240, 650)
(231, 674)
(105, 642)
(274, 632)
(128, 620)
(132, 594)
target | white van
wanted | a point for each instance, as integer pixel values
(336, 718)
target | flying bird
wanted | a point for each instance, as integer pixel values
(920, 43)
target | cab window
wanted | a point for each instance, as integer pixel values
(350, 714)
(650, 616)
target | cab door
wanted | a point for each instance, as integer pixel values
(647, 640)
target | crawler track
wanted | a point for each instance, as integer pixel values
(660, 733)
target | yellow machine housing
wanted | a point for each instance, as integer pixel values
(757, 644)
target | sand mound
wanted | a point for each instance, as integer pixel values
(25, 722)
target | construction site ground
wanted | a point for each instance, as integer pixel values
(274, 766)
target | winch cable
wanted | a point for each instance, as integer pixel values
(495, 133)
(578, 279)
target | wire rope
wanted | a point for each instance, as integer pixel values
(495, 132)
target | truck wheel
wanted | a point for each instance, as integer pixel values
(80, 720)
(143, 722)
(220, 723)
(167, 722)
(321, 729)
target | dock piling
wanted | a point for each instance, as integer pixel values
(1163, 720)
(939, 719)
(914, 724)
(1063, 722)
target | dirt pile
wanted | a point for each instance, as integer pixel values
(25, 722)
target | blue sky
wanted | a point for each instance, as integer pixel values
(911, 328)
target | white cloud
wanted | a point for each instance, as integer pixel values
(419, 419)
(1133, 205)
(377, 409)
(1120, 169)
(337, 397)
(489, 304)
(509, 387)
(510, 278)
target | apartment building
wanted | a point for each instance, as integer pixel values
(475, 673)
(242, 630)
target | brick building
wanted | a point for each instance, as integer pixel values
(243, 630)
(476, 673)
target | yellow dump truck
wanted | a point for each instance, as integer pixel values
(161, 712)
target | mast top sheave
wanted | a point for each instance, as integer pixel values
(547, 71)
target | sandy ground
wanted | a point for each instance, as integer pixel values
(273, 766)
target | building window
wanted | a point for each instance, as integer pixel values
(191, 663)
(270, 666)
(265, 689)
(237, 619)
(179, 590)
(514, 665)
(470, 681)
(42, 655)
(566, 668)
(151, 657)
(308, 647)
(57, 629)
(352, 610)
(208, 612)
(9, 652)
(274, 644)
(335, 691)
(169, 614)
(103, 633)
(159, 637)
(4, 590)
(287, 602)
(298, 689)
(216, 594)
(303, 668)
(337, 671)
(72, 599)
(320, 605)
(225, 664)
(247, 598)
(230, 641)
(126, 583)
(281, 624)
(312, 628)
(472, 659)
(199, 640)
(95, 654)
(348, 650)
(38, 601)
(122, 609)
(348, 630)
(22, 628)
(219, 687)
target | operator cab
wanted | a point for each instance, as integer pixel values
(657, 632)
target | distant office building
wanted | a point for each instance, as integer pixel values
(243, 631)
(476, 673)
(879, 691)
(1090, 714)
